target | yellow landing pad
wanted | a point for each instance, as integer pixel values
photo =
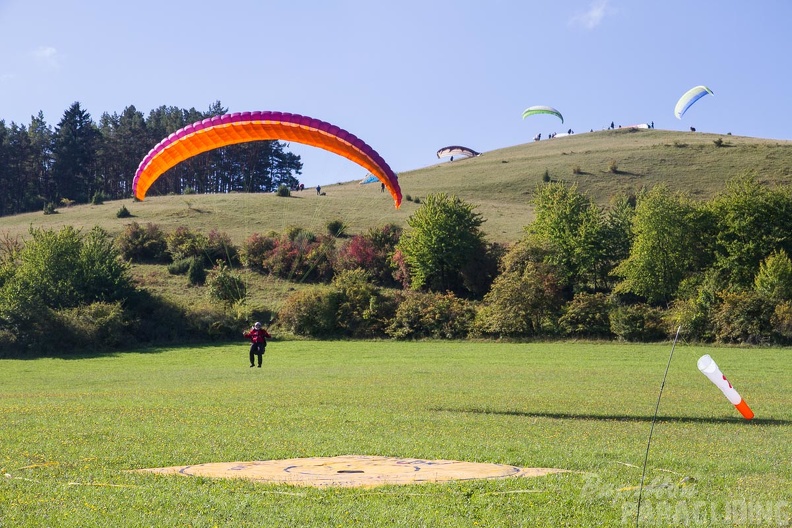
(353, 471)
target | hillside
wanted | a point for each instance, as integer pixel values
(500, 183)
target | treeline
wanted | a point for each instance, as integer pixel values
(634, 270)
(79, 160)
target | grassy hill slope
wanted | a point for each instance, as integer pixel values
(500, 183)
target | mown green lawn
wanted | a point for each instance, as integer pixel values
(72, 428)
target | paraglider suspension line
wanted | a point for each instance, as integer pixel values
(651, 429)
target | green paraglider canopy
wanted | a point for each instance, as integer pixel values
(533, 110)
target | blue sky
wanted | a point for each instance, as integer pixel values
(407, 77)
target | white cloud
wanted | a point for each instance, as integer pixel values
(46, 55)
(593, 17)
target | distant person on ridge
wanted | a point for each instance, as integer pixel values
(258, 342)
(318, 189)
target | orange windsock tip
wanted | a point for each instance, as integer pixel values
(745, 410)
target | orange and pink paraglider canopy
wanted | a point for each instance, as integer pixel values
(230, 129)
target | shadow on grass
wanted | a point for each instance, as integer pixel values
(141, 349)
(621, 417)
(619, 172)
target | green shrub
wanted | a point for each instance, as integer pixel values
(693, 310)
(408, 197)
(101, 274)
(188, 190)
(743, 318)
(142, 243)
(213, 324)
(98, 198)
(362, 310)
(219, 247)
(65, 268)
(181, 266)
(694, 317)
(10, 246)
(774, 279)
(255, 250)
(54, 275)
(416, 200)
(638, 322)
(183, 243)
(9, 345)
(50, 208)
(296, 233)
(123, 212)
(196, 273)
(350, 307)
(310, 313)
(546, 176)
(576, 169)
(283, 191)
(27, 327)
(781, 321)
(96, 326)
(431, 315)
(521, 304)
(226, 286)
(586, 315)
(336, 228)
(613, 167)
(718, 142)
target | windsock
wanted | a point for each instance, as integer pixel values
(709, 368)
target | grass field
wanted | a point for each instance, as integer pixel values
(72, 428)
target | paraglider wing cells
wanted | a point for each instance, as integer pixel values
(230, 129)
(533, 110)
(456, 150)
(688, 98)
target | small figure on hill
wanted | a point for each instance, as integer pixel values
(612, 126)
(652, 125)
(258, 343)
(318, 189)
(692, 129)
(452, 158)
(382, 187)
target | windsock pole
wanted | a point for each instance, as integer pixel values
(709, 368)
(651, 429)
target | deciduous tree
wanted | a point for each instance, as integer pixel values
(444, 237)
(668, 232)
